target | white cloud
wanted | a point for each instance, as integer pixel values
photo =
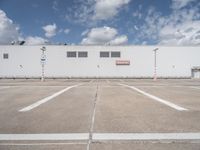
(187, 33)
(91, 11)
(104, 36)
(50, 30)
(106, 9)
(178, 4)
(120, 40)
(181, 27)
(35, 40)
(85, 32)
(81, 12)
(66, 31)
(55, 5)
(137, 14)
(8, 30)
(136, 28)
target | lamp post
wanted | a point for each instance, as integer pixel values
(155, 64)
(43, 59)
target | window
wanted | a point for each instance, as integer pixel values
(104, 54)
(71, 54)
(115, 54)
(82, 54)
(5, 56)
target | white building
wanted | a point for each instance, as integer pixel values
(99, 61)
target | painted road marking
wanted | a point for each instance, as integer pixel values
(61, 136)
(194, 87)
(5, 87)
(146, 136)
(107, 81)
(42, 101)
(100, 136)
(42, 144)
(172, 105)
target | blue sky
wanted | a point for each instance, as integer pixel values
(101, 22)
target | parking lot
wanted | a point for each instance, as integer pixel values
(100, 114)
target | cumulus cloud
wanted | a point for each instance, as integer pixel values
(50, 30)
(182, 34)
(85, 32)
(92, 11)
(105, 9)
(30, 40)
(104, 36)
(181, 27)
(120, 40)
(8, 30)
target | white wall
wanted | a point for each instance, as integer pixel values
(24, 61)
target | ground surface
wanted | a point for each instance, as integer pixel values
(100, 114)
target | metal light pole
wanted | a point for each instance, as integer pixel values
(43, 59)
(155, 64)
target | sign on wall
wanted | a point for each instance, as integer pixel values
(43, 59)
(122, 62)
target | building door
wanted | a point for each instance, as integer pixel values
(196, 73)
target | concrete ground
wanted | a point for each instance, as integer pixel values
(100, 114)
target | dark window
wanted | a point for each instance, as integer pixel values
(5, 56)
(82, 54)
(115, 54)
(71, 54)
(104, 54)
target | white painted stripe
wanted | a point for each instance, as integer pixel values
(43, 144)
(172, 105)
(107, 81)
(194, 87)
(4, 87)
(97, 136)
(146, 136)
(62, 136)
(42, 101)
(101, 136)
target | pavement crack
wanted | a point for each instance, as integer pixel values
(93, 118)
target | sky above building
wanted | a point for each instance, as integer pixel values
(101, 22)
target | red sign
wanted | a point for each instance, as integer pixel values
(122, 62)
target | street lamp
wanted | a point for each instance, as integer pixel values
(155, 64)
(43, 59)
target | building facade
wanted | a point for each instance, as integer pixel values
(99, 61)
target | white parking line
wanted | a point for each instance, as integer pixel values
(43, 144)
(61, 136)
(42, 101)
(107, 81)
(99, 136)
(4, 87)
(172, 105)
(121, 80)
(194, 87)
(146, 136)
